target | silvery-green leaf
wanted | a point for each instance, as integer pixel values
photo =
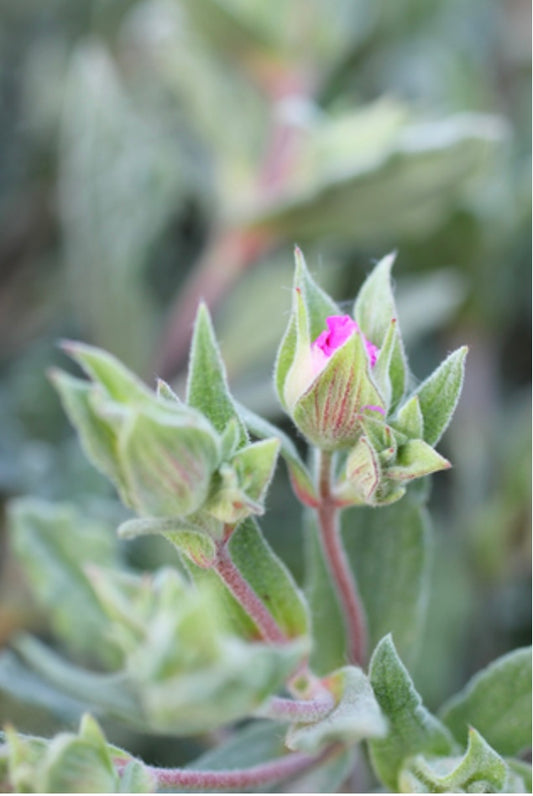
(439, 393)
(356, 715)
(412, 729)
(480, 770)
(497, 702)
(54, 542)
(207, 387)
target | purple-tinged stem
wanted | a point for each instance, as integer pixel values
(237, 779)
(329, 525)
(246, 596)
(305, 711)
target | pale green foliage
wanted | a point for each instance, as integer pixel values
(497, 702)
(355, 717)
(412, 729)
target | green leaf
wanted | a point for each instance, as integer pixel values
(328, 413)
(54, 542)
(269, 578)
(108, 692)
(79, 764)
(497, 702)
(356, 715)
(388, 550)
(520, 775)
(374, 311)
(439, 394)
(412, 729)
(415, 459)
(168, 460)
(300, 477)
(189, 539)
(481, 770)
(329, 638)
(207, 386)
(103, 368)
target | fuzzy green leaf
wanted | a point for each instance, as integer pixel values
(497, 702)
(207, 387)
(439, 394)
(412, 729)
(356, 715)
(317, 302)
(480, 770)
(54, 542)
(388, 549)
(254, 466)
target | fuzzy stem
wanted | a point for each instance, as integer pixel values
(246, 596)
(329, 525)
(306, 711)
(237, 779)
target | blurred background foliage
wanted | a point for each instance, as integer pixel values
(156, 151)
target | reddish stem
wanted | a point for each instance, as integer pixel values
(246, 596)
(328, 519)
(306, 711)
(237, 779)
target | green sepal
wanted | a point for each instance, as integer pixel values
(137, 778)
(310, 308)
(103, 368)
(409, 419)
(190, 539)
(439, 394)
(415, 459)
(329, 412)
(299, 475)
(243, 483)
(356, 715)
(78, 764)
(165, 391)
(168, 460)
(207, 387)
(382, 366)
(97, 435)
(374, 310)
(317, 302)
(497, 702)
(230, 440)
(361, 476)
(412, 729)
(480, 770)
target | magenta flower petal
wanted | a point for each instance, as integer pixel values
(340, 327)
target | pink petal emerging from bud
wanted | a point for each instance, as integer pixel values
(340, 327)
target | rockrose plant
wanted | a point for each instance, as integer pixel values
(313, 688)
